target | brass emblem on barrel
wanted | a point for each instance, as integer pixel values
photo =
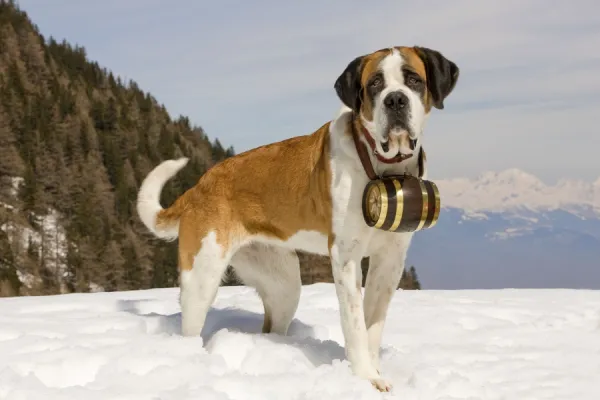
(401, 203)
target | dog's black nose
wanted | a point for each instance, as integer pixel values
(395, 100)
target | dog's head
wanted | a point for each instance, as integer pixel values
(393, 90)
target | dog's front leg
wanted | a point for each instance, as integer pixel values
(345, 260)
(382, 281)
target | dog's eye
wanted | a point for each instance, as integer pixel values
(413, 80)
(376, 81)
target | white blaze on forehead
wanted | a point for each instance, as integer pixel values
(391, 67)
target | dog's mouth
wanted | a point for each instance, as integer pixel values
(404, 142)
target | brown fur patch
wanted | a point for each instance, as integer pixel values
(415, 62)
(370, 66)
(274, 190)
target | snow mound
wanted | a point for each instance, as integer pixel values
(494, 344)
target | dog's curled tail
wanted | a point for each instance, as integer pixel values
(164, 223)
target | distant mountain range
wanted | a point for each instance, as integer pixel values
(510, 230)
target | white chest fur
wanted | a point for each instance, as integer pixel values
(348, 183)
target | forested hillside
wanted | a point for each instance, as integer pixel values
(76, 142)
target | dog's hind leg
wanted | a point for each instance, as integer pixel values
(275, 274)
(200, 277)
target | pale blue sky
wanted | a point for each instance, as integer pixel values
(253, 72)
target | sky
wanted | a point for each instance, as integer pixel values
(252, 73)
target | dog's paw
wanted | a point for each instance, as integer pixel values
(367, 371)
(381, 384)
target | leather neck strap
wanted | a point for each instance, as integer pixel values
(363, 154)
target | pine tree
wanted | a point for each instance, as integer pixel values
(415, 279)
(11, 164)
(9, 280)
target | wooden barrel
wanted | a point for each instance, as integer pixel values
(401, 203)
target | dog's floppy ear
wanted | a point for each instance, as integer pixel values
(442, 74)
(348, 87)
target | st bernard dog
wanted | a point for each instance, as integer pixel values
(253, 210)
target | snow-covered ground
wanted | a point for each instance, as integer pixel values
(497, 344)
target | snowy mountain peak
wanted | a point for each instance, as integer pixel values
(516, 189)
(512, 176)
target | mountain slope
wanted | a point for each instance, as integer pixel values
(79, 141)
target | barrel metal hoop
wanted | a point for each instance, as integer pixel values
(384, 204)
(437, 205)
(425, 199)
(399, 204)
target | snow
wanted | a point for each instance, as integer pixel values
(513, 189)
(471, 215)
(509, 233)
(494, 344)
